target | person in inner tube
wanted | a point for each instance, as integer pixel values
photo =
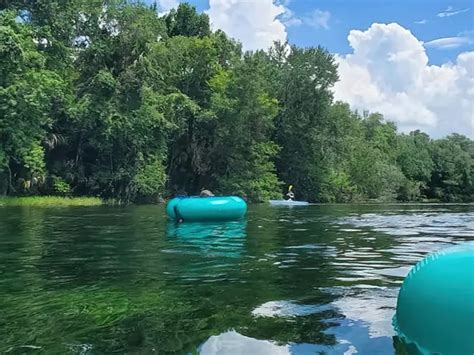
(206, 193)
(290, 194)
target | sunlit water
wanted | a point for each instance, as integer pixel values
(287, 280)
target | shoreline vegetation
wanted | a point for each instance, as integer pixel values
(50, 201)
(120, 102)
(85, 201)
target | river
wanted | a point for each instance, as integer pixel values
(97, 280)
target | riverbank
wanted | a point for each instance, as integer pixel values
(61, 201)
(50, 201)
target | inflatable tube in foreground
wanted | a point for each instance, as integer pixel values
(435, 308)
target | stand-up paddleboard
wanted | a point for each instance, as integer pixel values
(288, 203)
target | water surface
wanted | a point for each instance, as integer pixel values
(305, 280)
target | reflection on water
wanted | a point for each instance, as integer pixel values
(232, 342)
(224, 239)
(287, 309)
(419, 222)
(321, 279)
(373, 306)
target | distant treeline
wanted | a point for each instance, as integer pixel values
(117, 102)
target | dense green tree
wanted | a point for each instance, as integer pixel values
(185, 21)
(381, 135)
(30, 95)
(114, 134)
(374, 176)
(373, 165)
(303, 87)
(242, 151)
(342, 133)
(57, 24)
(112, 99)
(453, 174)
(183, 67)
(414, 157)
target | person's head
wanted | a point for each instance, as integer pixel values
(206, 193)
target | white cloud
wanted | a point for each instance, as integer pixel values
(388, 72)
(290, 19)
(451, 12)
(422, 22)
(318, 19)
(164, 6)
(255, 23)
(448, 42)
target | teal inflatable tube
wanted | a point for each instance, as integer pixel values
(435, 307)
(202, 209)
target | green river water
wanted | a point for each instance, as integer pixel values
(306, 280)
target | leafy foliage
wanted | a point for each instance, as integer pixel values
(453, 174)
(118, 102)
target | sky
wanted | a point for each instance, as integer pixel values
(411, 60)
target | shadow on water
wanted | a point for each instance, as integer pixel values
(322, 279)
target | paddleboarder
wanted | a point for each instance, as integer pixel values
(290, 193)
